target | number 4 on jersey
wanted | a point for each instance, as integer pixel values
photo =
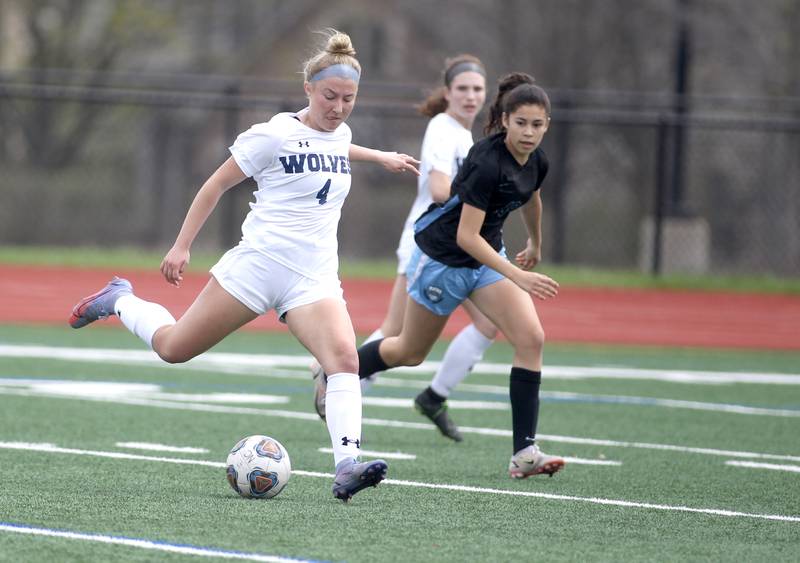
(322, 195)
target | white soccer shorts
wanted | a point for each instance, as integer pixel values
(405, 249)
(261, 283)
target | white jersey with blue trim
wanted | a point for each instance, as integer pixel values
(444, 146)
(303, 177)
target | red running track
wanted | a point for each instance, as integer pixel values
(586, 315)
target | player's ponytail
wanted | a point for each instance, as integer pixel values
(514, 90)
(338, 50)
(436, 102)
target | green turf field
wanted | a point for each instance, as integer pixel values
(672, 456)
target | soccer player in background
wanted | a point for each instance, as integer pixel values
(460, 255)
(287, 259)
(452, 108)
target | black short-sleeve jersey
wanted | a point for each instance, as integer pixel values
(490, 179)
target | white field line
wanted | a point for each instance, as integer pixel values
(460, 488)
(593, 399)
(47, 448)
(374, 454)
(142, 543)
(660, 447)
(393, 402)
(398, 455)
(161, 448)
(773, 466)
(226, 361)
(152, 391)
(111, 389)
(236, 398)
(584, 461)
(297, 415)
(595, 500)
(252, 364)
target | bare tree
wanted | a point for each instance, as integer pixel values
(78, 35)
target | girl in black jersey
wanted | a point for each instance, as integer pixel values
(460, 255)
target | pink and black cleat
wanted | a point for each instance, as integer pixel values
(99, 305)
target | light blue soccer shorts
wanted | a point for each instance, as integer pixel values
(440, 288)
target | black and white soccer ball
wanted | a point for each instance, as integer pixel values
(258, 467)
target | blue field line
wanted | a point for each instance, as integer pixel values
(184, 549)
(559, 397)
(792, 410)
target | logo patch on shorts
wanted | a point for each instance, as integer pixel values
(433, 293)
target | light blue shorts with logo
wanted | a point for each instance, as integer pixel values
(440, 288)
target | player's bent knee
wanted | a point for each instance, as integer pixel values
(414, 358)
(537, 340)
(173, 354)
(532, 341)
(346, 360)
(173, 358)
(348, 366)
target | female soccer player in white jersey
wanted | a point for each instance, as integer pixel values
(287, 259)
(460, 255)
(448, 137)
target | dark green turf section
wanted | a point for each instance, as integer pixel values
(191, 504)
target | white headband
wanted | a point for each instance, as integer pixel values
(339, 70)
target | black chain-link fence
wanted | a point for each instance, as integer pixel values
(115, 165)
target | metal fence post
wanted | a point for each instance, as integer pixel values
(560, 174)
(662, 134)
(228, 227)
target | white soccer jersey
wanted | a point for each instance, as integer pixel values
(444, 146)
(303, 178)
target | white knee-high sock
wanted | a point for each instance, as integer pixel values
(367, 382)
(466, 349)
(343, 415)
(142, 318)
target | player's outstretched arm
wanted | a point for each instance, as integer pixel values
(224, 178)
(392, 161)
(469, 239)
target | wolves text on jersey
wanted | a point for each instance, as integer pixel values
(314, 162)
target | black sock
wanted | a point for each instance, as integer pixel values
(433, 395)
(369, 359)
(523, 391)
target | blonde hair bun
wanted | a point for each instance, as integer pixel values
(340, 44)
(338, 50)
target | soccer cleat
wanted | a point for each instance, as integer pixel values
(99, 305)
(532, 461)
(352, 476)
(437, 412)
(320, 388)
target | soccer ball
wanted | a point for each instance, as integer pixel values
(258, 467)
